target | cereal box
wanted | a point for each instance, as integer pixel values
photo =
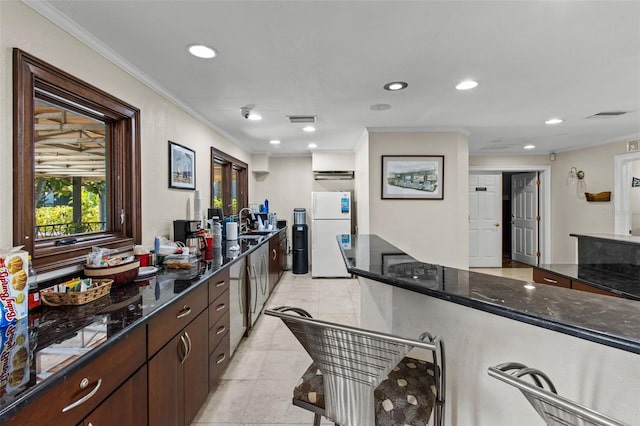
(14, 289)
(14, 357)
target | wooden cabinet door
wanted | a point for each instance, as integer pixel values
(166, 384)
(577, 285)
(127, 406)
(544, 277)
(274, 262)
(196, 367)
(283, 253)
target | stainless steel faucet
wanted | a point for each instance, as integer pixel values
(244, 227)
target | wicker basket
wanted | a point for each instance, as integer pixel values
(600, 196)
(51, 298)
(120, 274)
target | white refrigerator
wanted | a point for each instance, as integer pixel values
(330, 217)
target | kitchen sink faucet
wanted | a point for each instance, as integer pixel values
(244, 227)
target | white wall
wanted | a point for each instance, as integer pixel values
(434, 231)
(361, 178)
(161, 120)
(288, 185)
(569, 214)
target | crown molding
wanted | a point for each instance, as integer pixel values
(45, 9)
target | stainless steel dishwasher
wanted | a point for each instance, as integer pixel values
(237, 302)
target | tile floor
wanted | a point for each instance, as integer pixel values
(257, 386)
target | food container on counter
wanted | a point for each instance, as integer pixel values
(120, 274)
(14, 357)
(14, 288)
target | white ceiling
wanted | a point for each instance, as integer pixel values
(533, 59)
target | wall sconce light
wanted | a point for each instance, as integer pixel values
(576, 177)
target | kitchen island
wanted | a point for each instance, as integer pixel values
(120, 340)
(588, 344)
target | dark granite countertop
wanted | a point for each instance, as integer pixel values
(625, 239)
(623, 285)
(602, 319)
(60, 340)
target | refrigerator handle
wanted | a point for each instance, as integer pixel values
(313, 205)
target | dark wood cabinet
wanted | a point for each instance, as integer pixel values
(577, 285)
(277, 258)
(72, 400)
(545, 277)
(127, 406)
(219, 326)
(178, 382)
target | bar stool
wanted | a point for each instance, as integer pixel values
(554, 409)
(361, 377)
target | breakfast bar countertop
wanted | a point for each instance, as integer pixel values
(601, 319)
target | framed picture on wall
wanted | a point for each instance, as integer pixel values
(182, 167)
(412, 177)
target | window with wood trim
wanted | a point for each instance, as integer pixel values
(229, 183)
(76, 157)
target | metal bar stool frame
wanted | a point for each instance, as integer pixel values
(554, 409)
(354, 361)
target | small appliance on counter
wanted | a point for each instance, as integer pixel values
(183, 229)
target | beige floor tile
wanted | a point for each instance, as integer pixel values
(227, 403)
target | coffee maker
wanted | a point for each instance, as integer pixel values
(183, 229)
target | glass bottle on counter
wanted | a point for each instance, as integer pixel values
(34, 293)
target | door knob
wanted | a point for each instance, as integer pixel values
(497, 225)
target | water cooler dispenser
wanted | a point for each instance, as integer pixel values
(300, 237)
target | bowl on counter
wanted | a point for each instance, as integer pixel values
(120, 274)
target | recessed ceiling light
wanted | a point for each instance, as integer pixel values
(202, 51)
(308, 129)
(312, 145)
(529, 146)
(274, 142)
(553, 121)
(395, 85)
(254, 116)
(466, 85)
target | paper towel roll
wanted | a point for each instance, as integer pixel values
(197, 206)
(232, 230)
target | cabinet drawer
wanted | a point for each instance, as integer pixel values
(218, 308)
(218, 284)
(62, 406)
(544, 277)
(174, 318)
(219, 330)
(577, 285)
(218, 361)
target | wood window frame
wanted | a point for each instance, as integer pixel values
(229, 163)
(123, 163)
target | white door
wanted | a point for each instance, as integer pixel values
(524, 217)
(326, 259)
(485, 220)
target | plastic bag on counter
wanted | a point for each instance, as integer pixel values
(103, 257)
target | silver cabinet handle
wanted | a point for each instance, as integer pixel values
(275, 254)
(220, 307)
(220, 284)
(189, 345)
(84, 398)
(549, 280)
(185, 350)
(221, 359)
(265, 277)
(240, 287)
(184, 312)
(221, 330)
(255, 299)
